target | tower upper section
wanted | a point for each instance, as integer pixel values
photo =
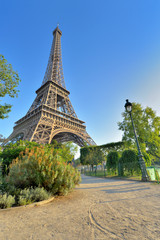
(54, 71)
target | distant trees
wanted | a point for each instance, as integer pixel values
(118, 162)
(91, 156)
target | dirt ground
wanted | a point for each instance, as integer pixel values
(96, 209)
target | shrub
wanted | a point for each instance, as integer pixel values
(6, 201)
(39, 194)
(27, 196)
(42, 167)
(3, 186)
(112, 161)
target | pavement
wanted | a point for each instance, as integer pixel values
(97, 209)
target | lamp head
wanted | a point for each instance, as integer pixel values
(128, 106)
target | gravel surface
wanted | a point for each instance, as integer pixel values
(96, 209)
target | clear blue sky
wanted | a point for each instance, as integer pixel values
(110, 52)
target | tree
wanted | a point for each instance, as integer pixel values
(67, 150)
(12, 150)
(147, 126)
(92, 156)
(105, 148)
(9, 81)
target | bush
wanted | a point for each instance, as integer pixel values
(40, 194)
(27, 196)
(42, 167)
(112, 161)
(6, 201)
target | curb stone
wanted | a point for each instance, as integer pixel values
(35, 204)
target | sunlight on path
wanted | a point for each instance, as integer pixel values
(97, 209)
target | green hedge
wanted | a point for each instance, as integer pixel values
(112, 161)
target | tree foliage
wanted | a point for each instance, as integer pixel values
(105, 148)
(12, 150)
(113, 146)
(67, 149)
(9, 81)
(129, 160)
(91, 156)
(147, 126)
(112, 161)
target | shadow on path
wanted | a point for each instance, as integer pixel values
(118, 186)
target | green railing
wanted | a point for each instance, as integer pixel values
(154, 173)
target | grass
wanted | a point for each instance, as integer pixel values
(97, 174)
(101, 173)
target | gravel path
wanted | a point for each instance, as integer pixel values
(96, 209)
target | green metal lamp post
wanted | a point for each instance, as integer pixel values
(145, 178)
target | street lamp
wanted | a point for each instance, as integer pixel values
(145, 178)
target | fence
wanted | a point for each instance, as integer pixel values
(154, 173)
(120, 171)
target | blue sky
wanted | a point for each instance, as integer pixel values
(110, 52)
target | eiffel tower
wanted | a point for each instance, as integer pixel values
(51, 116)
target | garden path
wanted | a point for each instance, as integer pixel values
(97, 209)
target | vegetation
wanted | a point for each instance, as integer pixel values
(118, 163)
(147, 126)
(105, 174)
(112, 161)
(92, 156)
(129, 162)
(6, 201)
(35, 172)
(29, 195)
(12, 151)
(122, 157)
(105, 148)
(9, 81)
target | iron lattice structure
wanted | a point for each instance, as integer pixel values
(51, 116)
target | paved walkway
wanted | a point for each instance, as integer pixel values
(96, 209)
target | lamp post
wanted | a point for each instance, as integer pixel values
(145, 178)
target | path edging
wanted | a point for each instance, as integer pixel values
(35, 204)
